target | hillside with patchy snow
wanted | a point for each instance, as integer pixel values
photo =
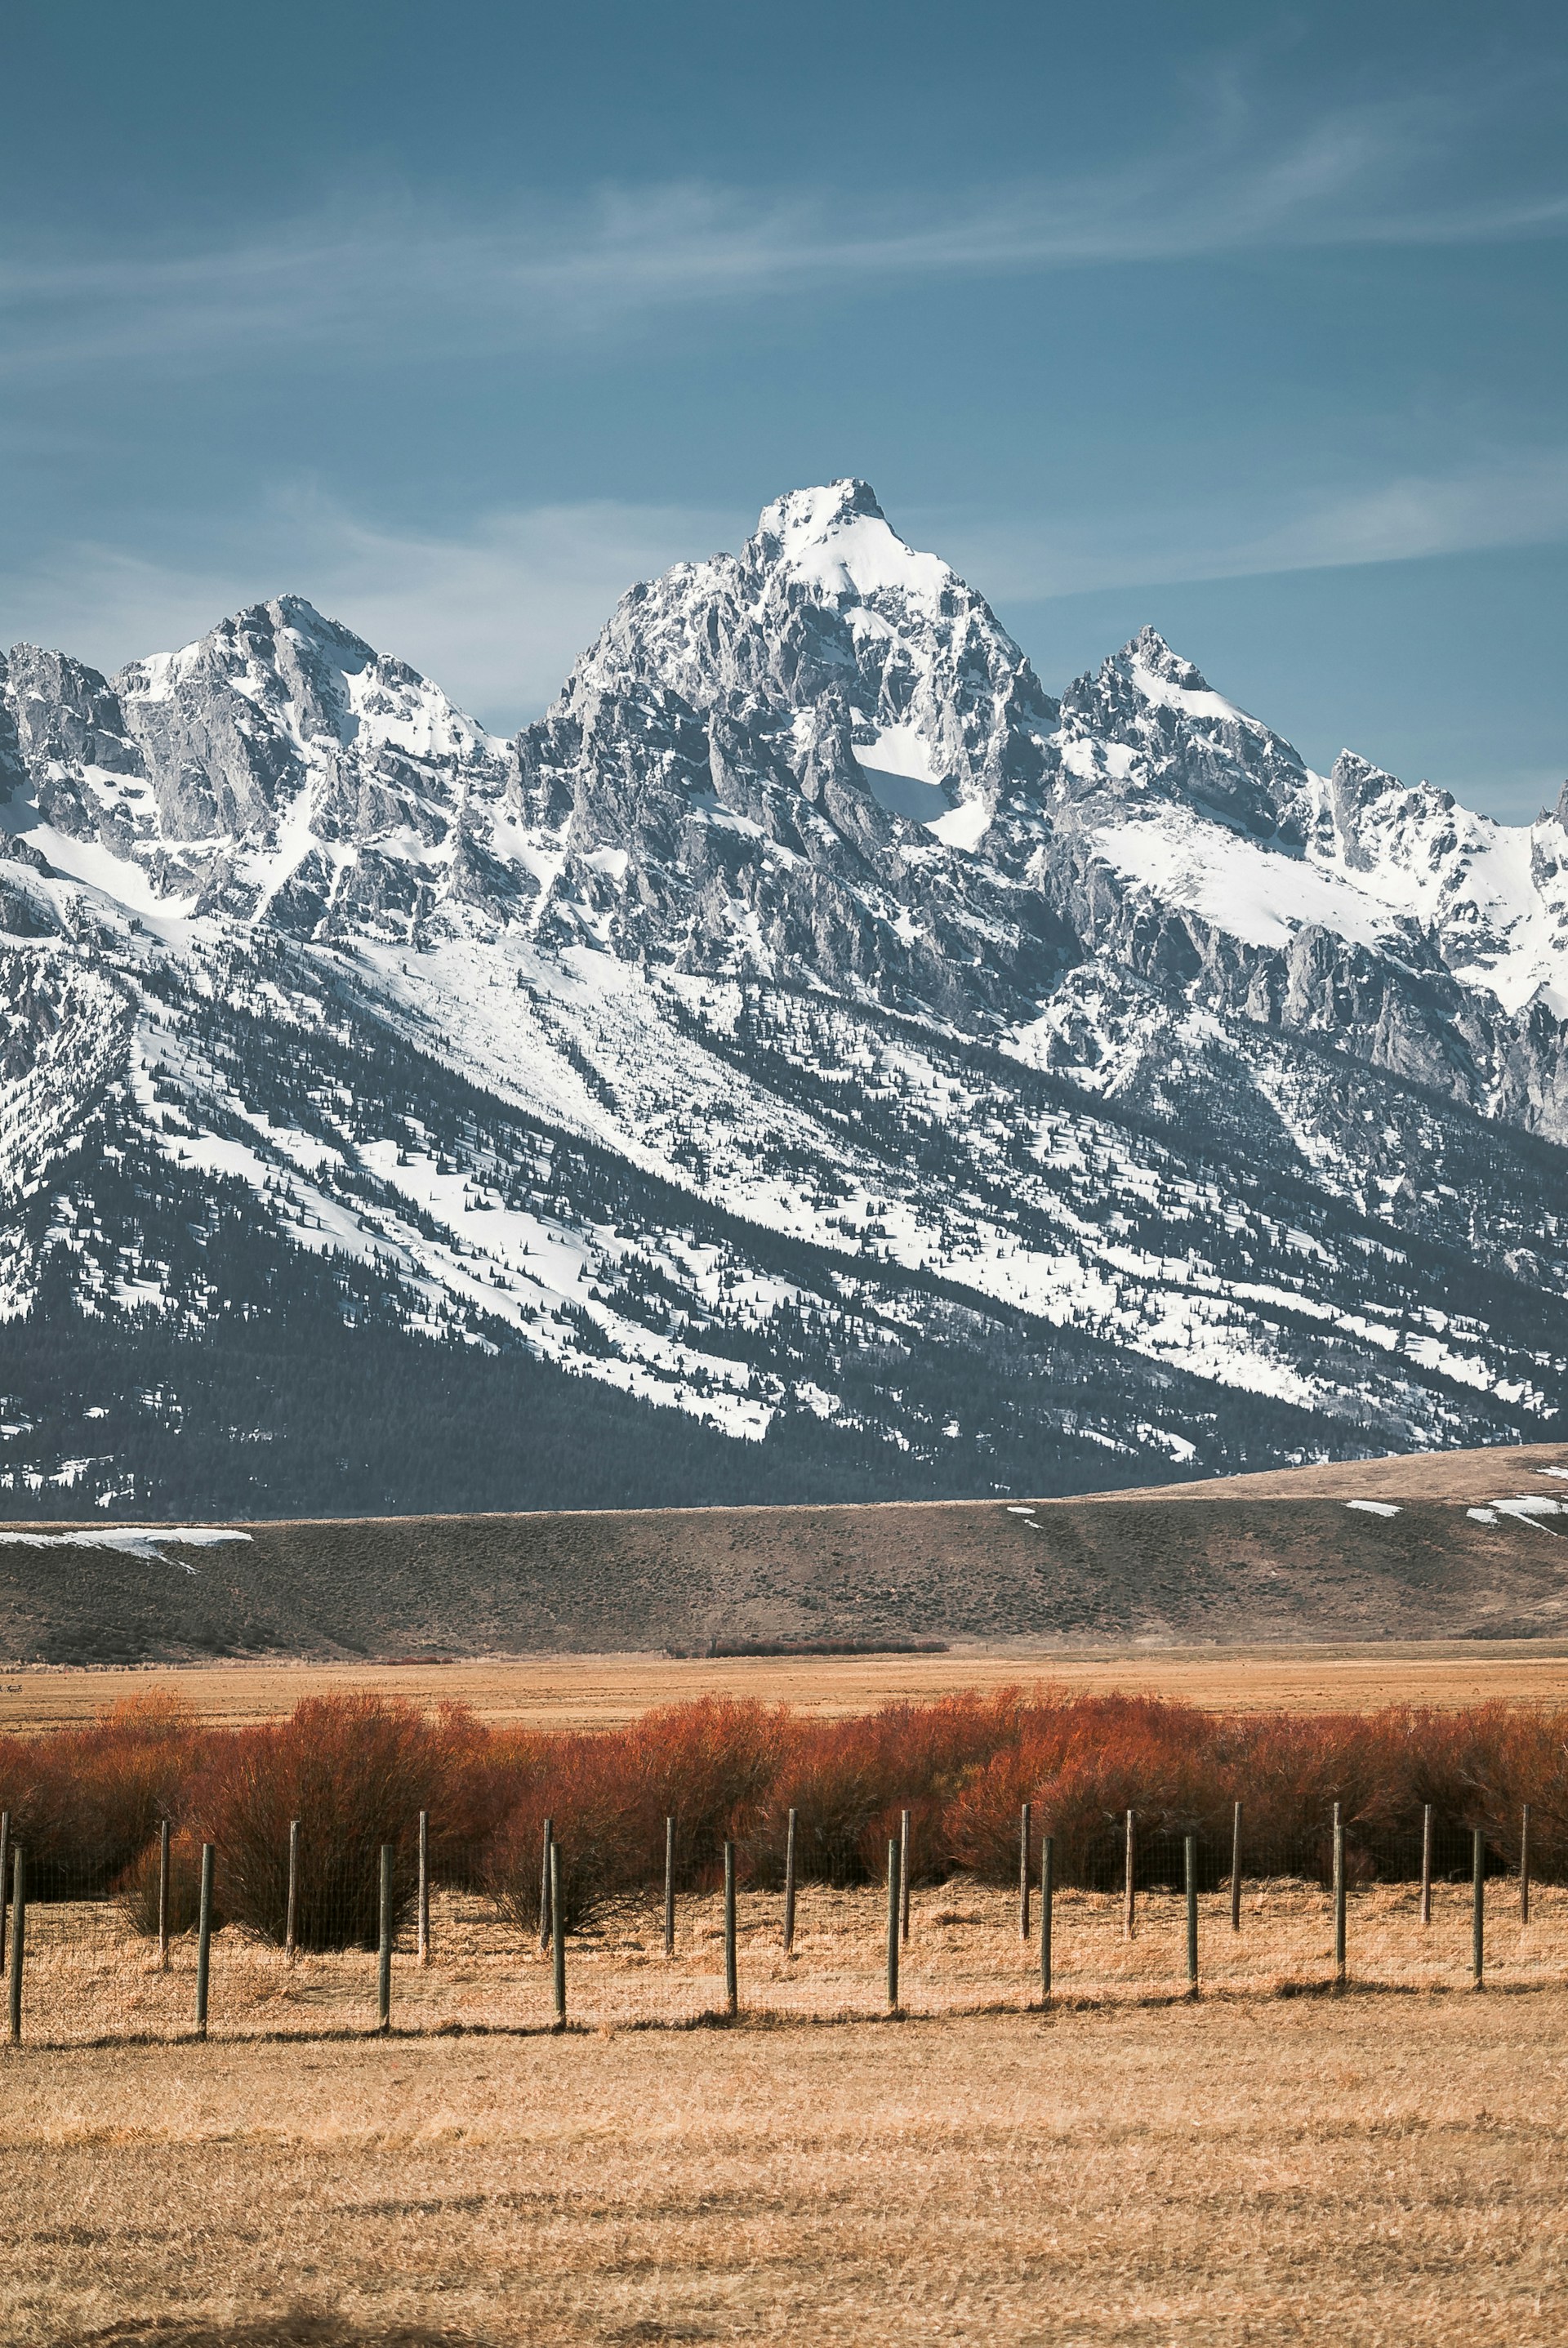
(810, 1061)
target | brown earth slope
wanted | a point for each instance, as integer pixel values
(1283, 1557)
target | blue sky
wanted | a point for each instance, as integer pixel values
(1246, 320)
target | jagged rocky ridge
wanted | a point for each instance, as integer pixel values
(873, 1073)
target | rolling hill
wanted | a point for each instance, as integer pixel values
(1463, 1544)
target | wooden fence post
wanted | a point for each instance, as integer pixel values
(1129, 1912)
(18, 1936)
(790, 1886)
(204, 1941)
(1236, 1869)
(669, 1887)
(163, 1895)
(1338, 1897)
(1478, 1907)
(731, 1981)
(904, 1842)
(1425, 1862)
(1524, 1868)
(422, 1925)
(1190, 1856)
(5, 1877)
(384, 1952)
(557, 1931)
(1047, 1894)
(546, 1885)
(1024, 1871)
(894, 1923)
(291, 1907)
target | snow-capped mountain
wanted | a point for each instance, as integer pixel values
(871, 1072)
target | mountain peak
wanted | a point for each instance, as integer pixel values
(805, 517)
(1351, 771)
(1149, 652)
(299, 617)
(1146, 674)
(836, 541)
(249, 641)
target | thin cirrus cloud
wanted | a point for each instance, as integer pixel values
(1516, 499)
(343, 283)
(496, 614)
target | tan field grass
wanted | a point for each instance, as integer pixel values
(1363, 2169)
(88, 1977)
(589, 1691)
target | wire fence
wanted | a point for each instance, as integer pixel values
(316, 1936)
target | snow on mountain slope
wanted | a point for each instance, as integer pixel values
(808, 1022)
(1494, 895)
(1251, 893)
(1378, 862)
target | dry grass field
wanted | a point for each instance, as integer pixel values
(1365, 2169)
(88, 1977)
(560, 1692)
(1274, 2160)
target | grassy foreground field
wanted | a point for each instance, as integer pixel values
(1365, 2169)
(90, 1978)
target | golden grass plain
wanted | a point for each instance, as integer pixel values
(605, 1691)
(1273, 2162)
(89, 1977)
(1377, 2166)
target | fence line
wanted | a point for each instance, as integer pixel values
(62, 1920)
(18, 1938)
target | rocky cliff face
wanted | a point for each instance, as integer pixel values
(277, 771)
(901, 807)
(806, 1018)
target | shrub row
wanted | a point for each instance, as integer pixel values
(356, 1771)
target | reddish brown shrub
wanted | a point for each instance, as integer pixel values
(137, 1887)
(476, 1774)
(708, 1766)
(85, 1801)
(834, 1781)
(1288, 1771)
(1481, 1766)
(848, 1780)
(584, 1786)
(356, 1771)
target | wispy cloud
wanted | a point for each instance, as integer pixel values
(1510, 498)
(1515, 499)
(496, 613)
(403, 281)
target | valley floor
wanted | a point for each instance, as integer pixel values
(563, 1690)
(1365, 2168)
